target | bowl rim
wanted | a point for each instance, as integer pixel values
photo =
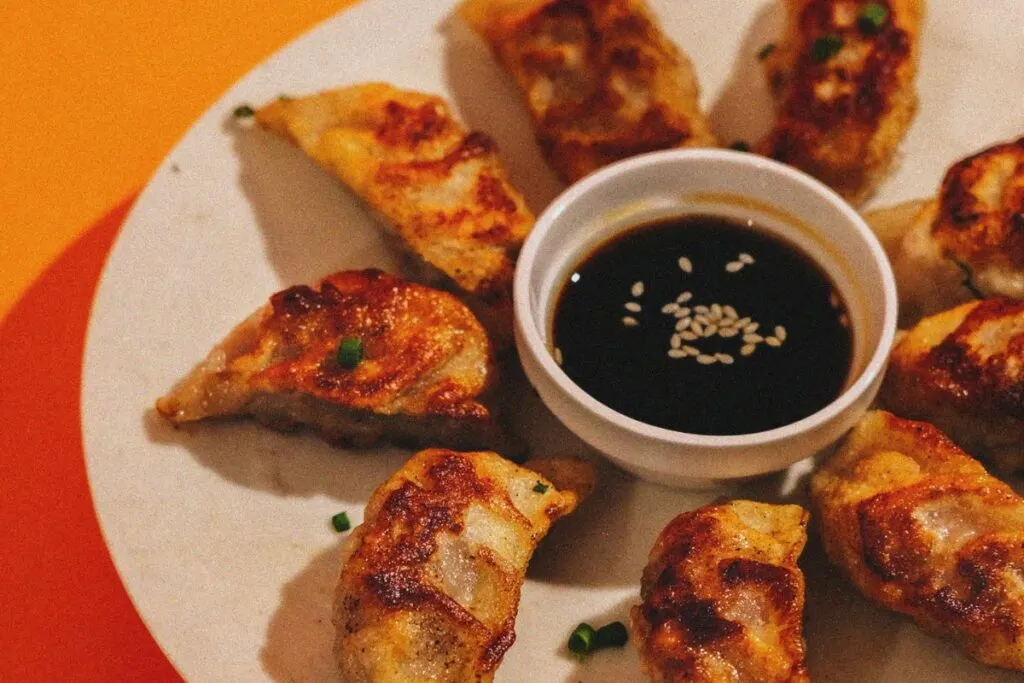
(534, 343)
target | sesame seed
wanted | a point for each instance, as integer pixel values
(632, 307)
(711, 330)
(702, 309)
(558, 355)
(683, 324)
(733, 266)
(691, 350)
(705, 359)
(724, 358)
(728, 332)
(685, 265)
(753, 338)
(833, 300)
(748, 349)
(702, 319)
(780, 332)
(669, 309)
(676, 353)
(730, 312)
(716, 310)
(683, 312)
(751, 328)
(844, 320)
(742, 322)
(772, 341)
(638, 288)
(676, 341)
(684, 297)
(697, 328)
(630, 321)
(688, 336)
(745, 258)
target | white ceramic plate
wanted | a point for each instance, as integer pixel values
(221, 533)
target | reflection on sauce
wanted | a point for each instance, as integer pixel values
(704, 325)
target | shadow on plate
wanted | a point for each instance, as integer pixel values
(300, 635)
(488, 100)
(312, 225)
(606, 541)
(297, 464)
(848, 639)
(621, 520)
(743, 110)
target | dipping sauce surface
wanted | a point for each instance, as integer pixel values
(703, 325)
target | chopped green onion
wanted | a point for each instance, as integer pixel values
(611, 635)
(581, 642)
(968, 280)
(826, 47)
(350, 352)
(340, 522)
(585, 639)
(872, 17)
(763, 53)
(540, 487)
(740, 146)
(244, 111)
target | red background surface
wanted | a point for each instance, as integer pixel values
(65, 614)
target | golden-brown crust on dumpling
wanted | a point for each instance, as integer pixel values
(601, 81)
(442, 189)
(426, 365)
(981, 208)
(723, 597)
(841, 117)
(921, 528)
(430, 582)
(963, 370)
(968, 241)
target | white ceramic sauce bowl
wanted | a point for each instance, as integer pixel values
(734, 185)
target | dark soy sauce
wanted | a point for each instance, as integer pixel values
(774, 346)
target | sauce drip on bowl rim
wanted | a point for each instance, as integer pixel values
(705, 325)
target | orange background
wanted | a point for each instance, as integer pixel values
(94, 94)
